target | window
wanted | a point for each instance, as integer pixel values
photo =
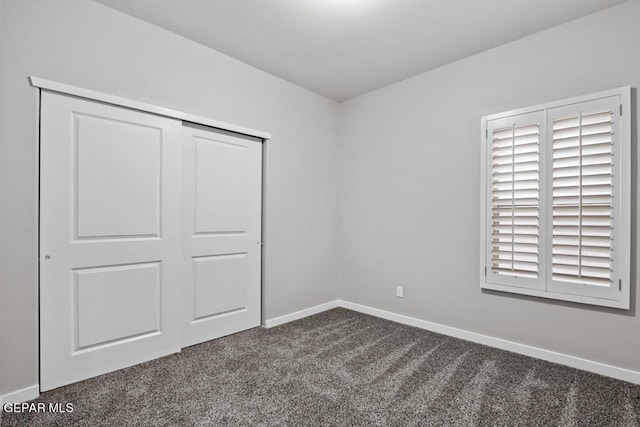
(556, 193)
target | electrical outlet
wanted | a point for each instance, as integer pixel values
(399, 291)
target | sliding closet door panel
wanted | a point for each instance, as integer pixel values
(110, 245)
(222, 183)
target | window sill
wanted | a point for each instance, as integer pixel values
(620, 304)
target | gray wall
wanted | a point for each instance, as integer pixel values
(90, 45)
(406, 158)
(409, 165)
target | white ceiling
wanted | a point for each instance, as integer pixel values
(344, 48)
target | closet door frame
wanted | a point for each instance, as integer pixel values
(51, 86)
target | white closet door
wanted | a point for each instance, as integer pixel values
(110, 245)
(222, 183)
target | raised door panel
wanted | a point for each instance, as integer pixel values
(116, 303)
(220, 285)
(118, 183)
(221, 186)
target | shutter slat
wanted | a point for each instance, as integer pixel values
(599, 221)
(586, 200)
(593, 189)
(515, 265)
(588, 180)
(598, 117)
(565, 250)
(498, 145)
(532, 221)
(596, 159)
(527, 130)
(567, 132)
(505, 133)
(587, 251)
(516, 211)
(582, 280)
(513, 256)
(516, 194)
(523, 184)
(597, 128)
(507, 148)
(587, 160)
(601, 148)
(563, 123)
(596, 199)
(590, 189)
(517, 248)
(586, 221)
(560, 143)
(596, 138)
(510, 238)
(518, 159)
(500, 231)
(603, 210)
(586, 150)
(520, 176)
(598, 264)
(587, 170)
(568, 152)
(509, 169)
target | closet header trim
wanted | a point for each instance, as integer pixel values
(136, 105)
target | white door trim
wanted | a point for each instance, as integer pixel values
(142, 106)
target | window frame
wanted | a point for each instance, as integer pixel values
(619, 298)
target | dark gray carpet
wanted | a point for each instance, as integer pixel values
(342, 368)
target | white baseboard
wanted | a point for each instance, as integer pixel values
(527, 350)
(270, 323)
(22, 395)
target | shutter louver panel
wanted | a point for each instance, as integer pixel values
(582, 198)
(556, 200)
(515, 200)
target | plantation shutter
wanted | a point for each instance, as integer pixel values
(515, 226)
(584, 205)
(556, 200)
